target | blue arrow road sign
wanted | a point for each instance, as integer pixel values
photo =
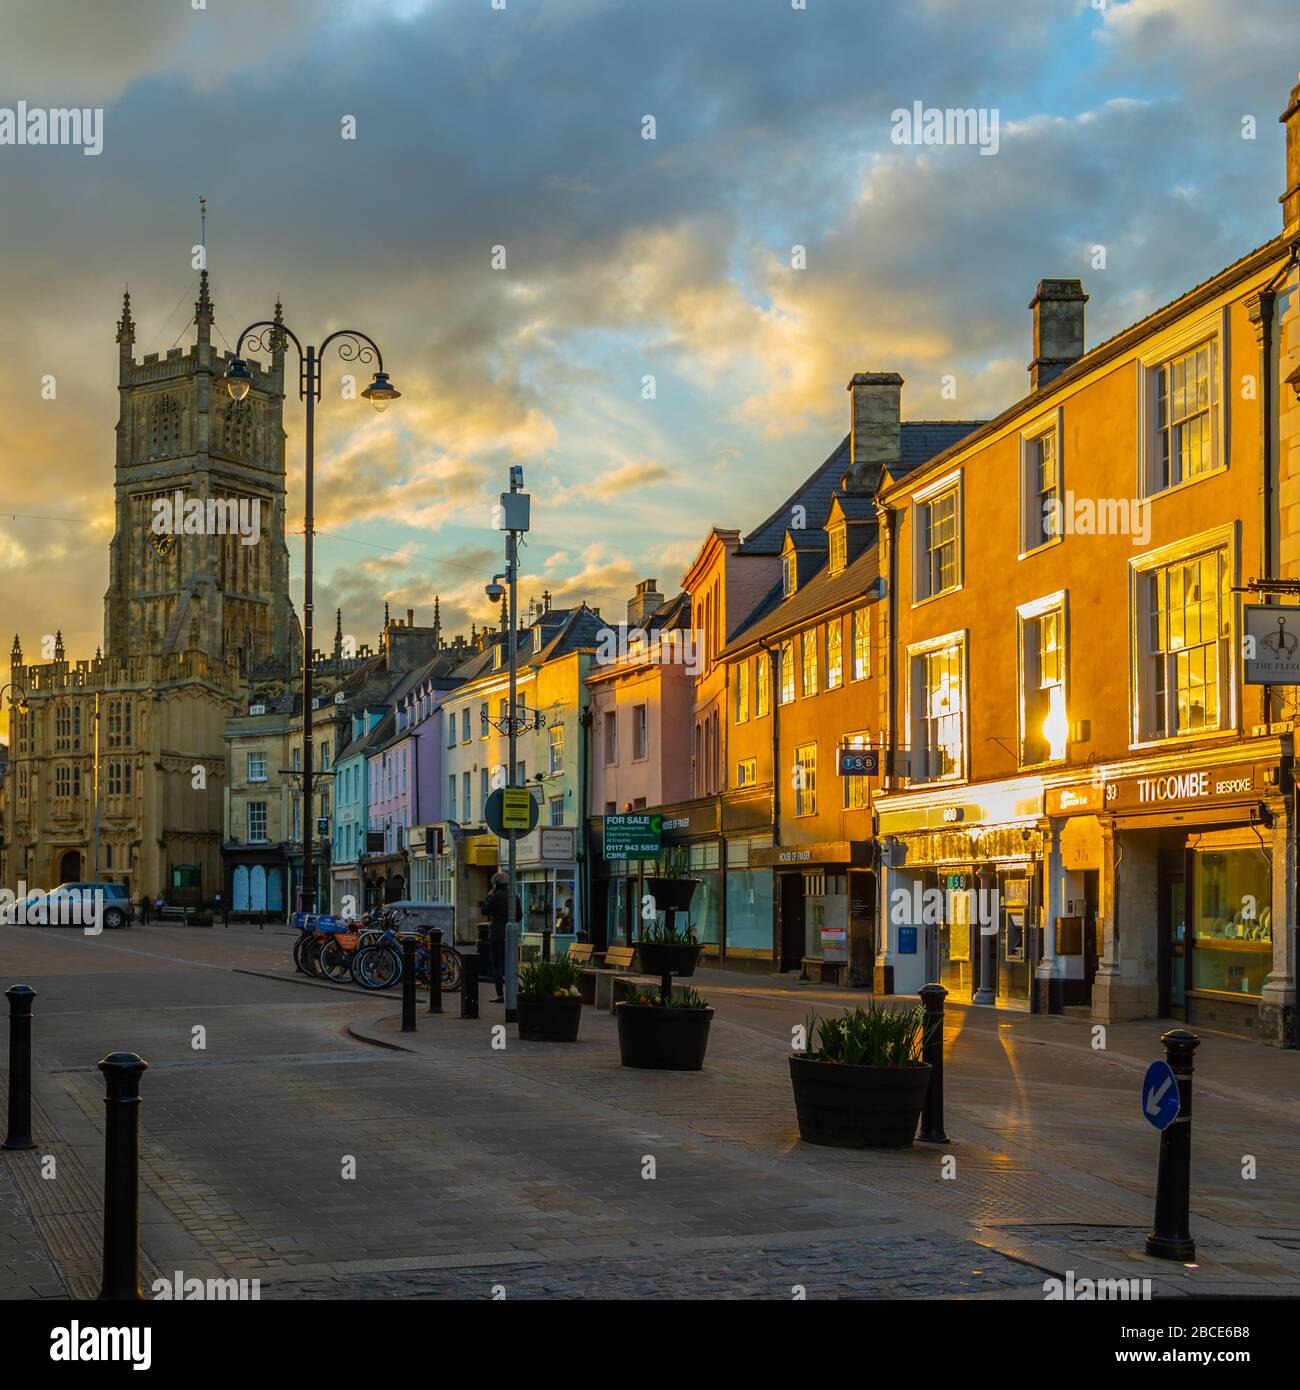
(1160, 1099)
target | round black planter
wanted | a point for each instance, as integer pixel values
(663, 1039)
(858, 1107)
(667, 957)
(672, 894)
(549, 1018)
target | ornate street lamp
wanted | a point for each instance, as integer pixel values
(268, 335)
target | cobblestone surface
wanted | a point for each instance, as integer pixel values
(26, 1269)
(901, 1267)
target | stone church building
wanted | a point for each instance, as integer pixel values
(117, 768)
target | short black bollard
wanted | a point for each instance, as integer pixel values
(21, 998)
(546, 943)
(122, 1072)
(932, 1131)
(435, 972)
(469, 986)
(408, 985)
(1172, 1237)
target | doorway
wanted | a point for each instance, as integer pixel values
(1172, 945)
(70, 867)
(792, 922)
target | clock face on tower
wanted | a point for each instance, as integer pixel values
(163, 543)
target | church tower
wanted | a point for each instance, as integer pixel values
(218, 465)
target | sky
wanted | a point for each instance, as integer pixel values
(1146, 127)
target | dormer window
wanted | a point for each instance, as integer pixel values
(789, 572)
(839, 548)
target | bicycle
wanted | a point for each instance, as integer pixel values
(377, 962)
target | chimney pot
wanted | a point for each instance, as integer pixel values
(876, 428)
(1057, 307)
(644, 603)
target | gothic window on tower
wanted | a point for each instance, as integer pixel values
(164, 428)
(237, 430)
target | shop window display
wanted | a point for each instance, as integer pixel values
(1232, 949)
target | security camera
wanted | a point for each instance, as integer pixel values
(495, 592)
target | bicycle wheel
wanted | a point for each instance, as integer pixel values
(451, 968)
(377, 967)
(299, 952)
(335, 962)
(311, 956)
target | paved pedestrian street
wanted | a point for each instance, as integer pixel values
(290, 1133)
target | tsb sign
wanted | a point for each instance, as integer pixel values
(859, 762)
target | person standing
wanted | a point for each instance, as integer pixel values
(496, 908)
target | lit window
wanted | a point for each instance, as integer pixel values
(839, 549)
(640, 732)
(1041, 489)
(939, 540)
(938, 719)
(789, 573)
(1186, 423)
(861, 644)
(746, 772)
(785, 659)
(557, 748)
(742, 691)
(808, 643)
(762, 685)
(805, 780)
(1185, 616)
(1045, 726)
(834, 653)
(857, 790)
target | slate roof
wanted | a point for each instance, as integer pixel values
(820, 594)
(919, 441)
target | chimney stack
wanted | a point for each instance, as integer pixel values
(1058, 329)
(876, 430)
(643, 605)
(1290, 200)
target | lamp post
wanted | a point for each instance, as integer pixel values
(268, 335)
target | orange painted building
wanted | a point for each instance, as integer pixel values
(1088, 804)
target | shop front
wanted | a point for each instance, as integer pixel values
(546, 865)
(691, 843)
(962, 895)
(747, 927)
(815, 891)
(1199, 889)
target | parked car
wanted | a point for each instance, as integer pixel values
(119, 911)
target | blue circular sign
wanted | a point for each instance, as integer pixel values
(1160, 1096)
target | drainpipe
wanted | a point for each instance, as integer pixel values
(1261, 308)
(890, 517)
(773, 675)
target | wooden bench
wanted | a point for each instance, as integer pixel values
(596, 980)
(580, 953)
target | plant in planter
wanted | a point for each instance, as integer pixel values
(672, 888)
(861, 1083)
(663, 1032)
(667, 951)
(549, 1001)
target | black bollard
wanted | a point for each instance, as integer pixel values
(546, 943)
(21, 998)
(122, 1072)
(435, 972)
(408, 985)
(932, 1131)
(469, 986)
(1172, 1237)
